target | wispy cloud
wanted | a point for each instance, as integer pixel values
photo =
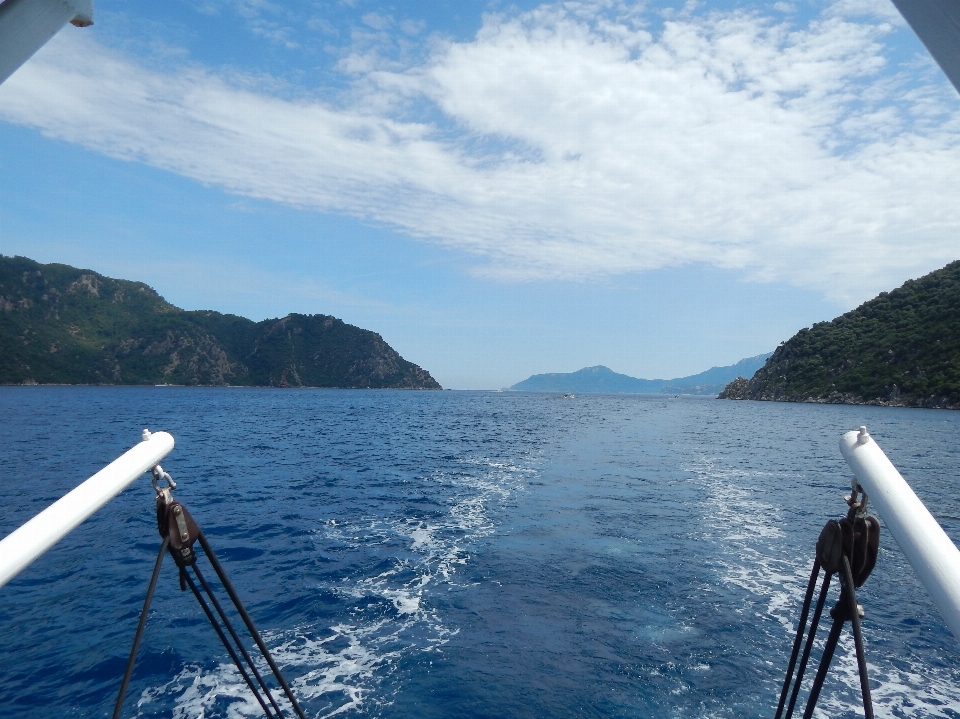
(880, 9)
(570, 143)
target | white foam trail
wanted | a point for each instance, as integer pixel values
(346, 664)
(200, 692)
(751, 557)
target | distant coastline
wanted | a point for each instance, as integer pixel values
(602, 379)
(219, 386)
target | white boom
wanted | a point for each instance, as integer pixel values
(22, 546)
(934, 558)
(27, 25)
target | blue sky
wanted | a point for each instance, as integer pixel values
(499, 189)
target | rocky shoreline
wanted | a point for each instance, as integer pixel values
(740, 389)
(900, 349)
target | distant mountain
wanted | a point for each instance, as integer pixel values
(901, 348)
(603, 379)
(63, 325)
(713, 380)
(588, 379)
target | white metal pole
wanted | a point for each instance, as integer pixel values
(934, 558)
(27, 25)
(22, 546)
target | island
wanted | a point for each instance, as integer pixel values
(64, 325)
(901, 349)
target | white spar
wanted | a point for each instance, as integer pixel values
(22, 546)
(934, 558)
(27, 25)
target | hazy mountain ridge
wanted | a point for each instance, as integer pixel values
(901, 348)
(603, 379)
(64, 325)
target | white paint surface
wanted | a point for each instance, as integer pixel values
(27, 25)
(931, 553)
(24, 545)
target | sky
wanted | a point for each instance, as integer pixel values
(498, 189)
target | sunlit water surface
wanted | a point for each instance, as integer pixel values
(465, 554)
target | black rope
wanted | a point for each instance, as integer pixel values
(251, 627)
(179, 532)
(223, 638)
(233, 633)
(814, 623)
(141, 625)
(828, 650)
(801, 627)
(847, 608)
(858, 640)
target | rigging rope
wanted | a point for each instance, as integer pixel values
(248, 620)
(801, 626)
(821, 601)
(141, 624)
(233, 633)
(179, 532)
(185, 578)
(846, 609)
(849, 548)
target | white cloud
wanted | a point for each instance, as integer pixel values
(881, 9)
(571, 143)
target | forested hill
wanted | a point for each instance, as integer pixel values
(901, 348)
(63, 325)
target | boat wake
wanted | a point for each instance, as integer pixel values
(385, 613)
(753, 556)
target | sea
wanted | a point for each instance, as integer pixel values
(465, 554)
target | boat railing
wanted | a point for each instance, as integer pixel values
(24, 545)
(934, 557)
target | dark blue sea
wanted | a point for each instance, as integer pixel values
(465, 554)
